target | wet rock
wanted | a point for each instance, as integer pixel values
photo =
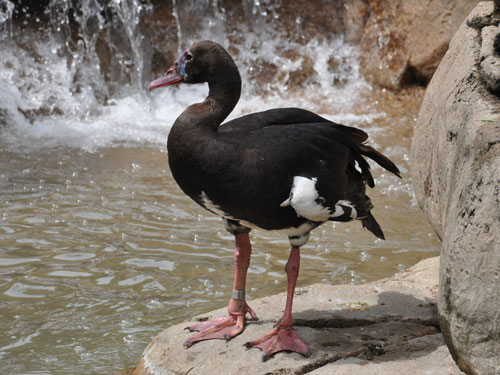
(160, 38)
(303, 75)
(455, 158)
(401, 41)
(354, 16)
(305, 20)
(404, 41)
(336, 64)
(386, 323)
(263, 71)
(32, 8)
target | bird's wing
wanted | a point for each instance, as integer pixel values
(300, 117)
(285, 116)
(305, 166)
(313, 167)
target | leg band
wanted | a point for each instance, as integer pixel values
(238, 295)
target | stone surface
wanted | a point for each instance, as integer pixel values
(455, 159)
(490, 56)
(404, 41)
(417, 356)
(387, 324)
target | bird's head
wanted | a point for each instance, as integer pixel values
(203, 62)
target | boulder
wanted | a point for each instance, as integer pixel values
(383, 327)
(455, 160)
(404, 41)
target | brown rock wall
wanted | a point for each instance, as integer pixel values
(404, 41)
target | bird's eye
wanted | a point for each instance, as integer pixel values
(188, 56)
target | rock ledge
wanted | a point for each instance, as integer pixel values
(385, 327)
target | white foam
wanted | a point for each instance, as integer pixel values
(137, 118)
(48, 101)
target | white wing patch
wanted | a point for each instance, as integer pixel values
(306, 201)
(339, 211)
(357, 167)
(212, 207)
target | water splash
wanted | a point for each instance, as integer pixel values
(79, 78)
(6, 10)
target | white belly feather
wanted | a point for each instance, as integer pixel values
(306, 201)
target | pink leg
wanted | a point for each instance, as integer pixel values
(283, 337)
(228, 327)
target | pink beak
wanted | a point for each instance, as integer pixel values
(171, 77)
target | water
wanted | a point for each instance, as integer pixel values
(99, 249)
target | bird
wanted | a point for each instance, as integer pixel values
(285, 169)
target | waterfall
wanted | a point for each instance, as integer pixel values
(72, 69)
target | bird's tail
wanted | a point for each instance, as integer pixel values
(380, 159)
(371, 224)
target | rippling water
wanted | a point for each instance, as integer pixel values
(100, 250)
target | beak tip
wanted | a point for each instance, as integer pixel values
(165, 80)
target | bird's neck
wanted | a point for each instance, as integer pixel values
(223, 94)
(194, 134)
(222, 98)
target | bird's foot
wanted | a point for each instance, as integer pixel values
(224, 328)
(219, 328)
(281, 338)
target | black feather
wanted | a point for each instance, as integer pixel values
(371, 224)
(380, 159)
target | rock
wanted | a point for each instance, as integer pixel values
(354, 15)
(304, 20)
(386, 324)
(401, 42)
(420, 355)
(455, 159)
(490, 56)
(404, 41)
(161, 38)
